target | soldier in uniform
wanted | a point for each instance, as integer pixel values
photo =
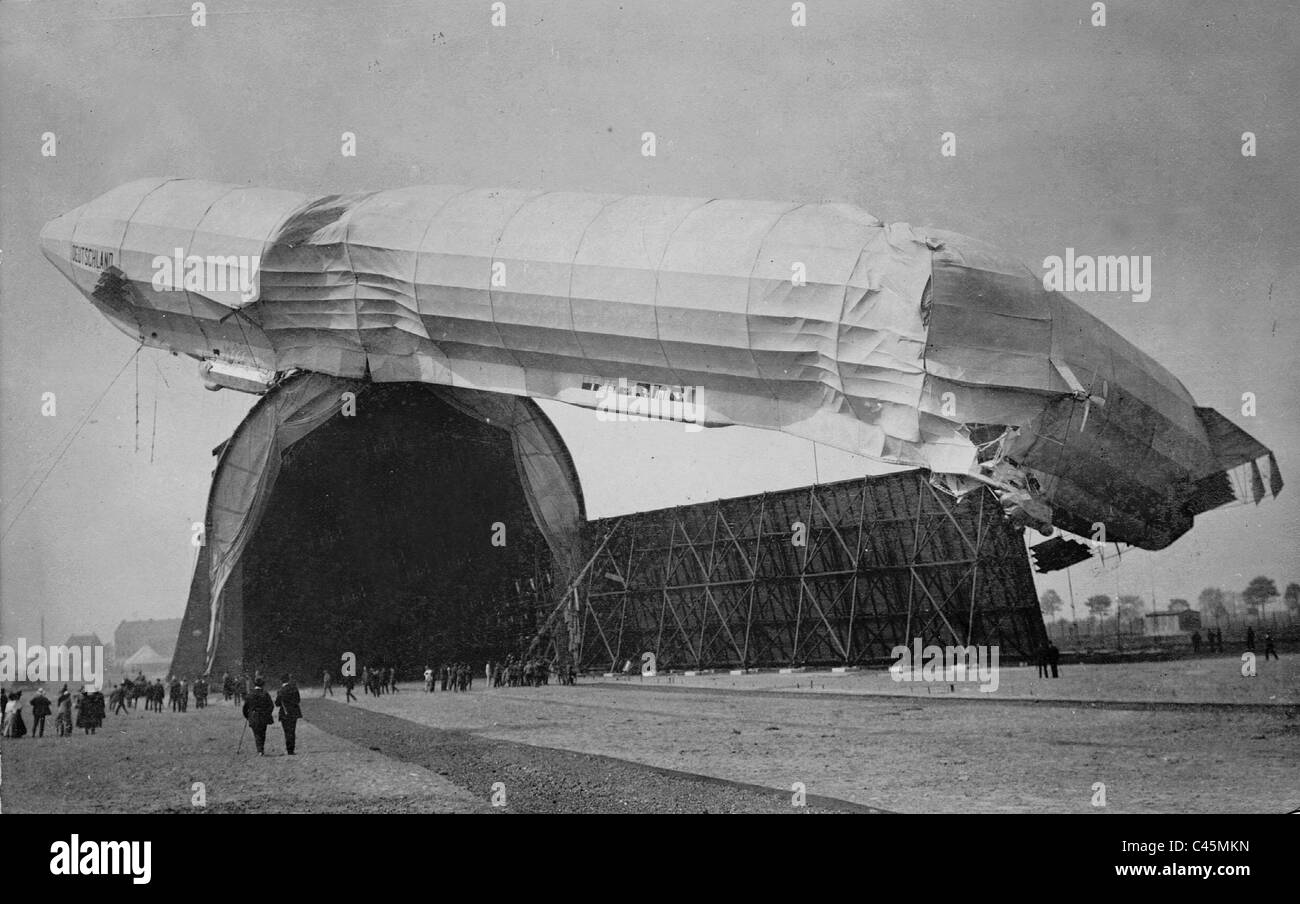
(289, 702)
(259, 711)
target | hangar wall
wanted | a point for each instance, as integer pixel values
(835, 574)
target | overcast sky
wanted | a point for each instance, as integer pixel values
(1122, 139)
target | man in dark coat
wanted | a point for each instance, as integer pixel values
(40, 709)
(259, 711)
(117, 699)
(1269, 648)
(289, 701)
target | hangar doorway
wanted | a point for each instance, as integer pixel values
(403, 522)
(378, 539)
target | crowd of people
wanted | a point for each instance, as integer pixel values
(89, 708)
(379, 680)
(513, 672)
(531, 672)
(89, 705)
(454, 676)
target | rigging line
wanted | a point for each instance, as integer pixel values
(77, 423)
(40, 465)
(137, 403)
(160, 373)
(153, 435)
(66, 443)
(71, 438)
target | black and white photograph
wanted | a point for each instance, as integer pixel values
(655, 407)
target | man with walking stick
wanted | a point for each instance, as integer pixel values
(258, 710)
(289, 701)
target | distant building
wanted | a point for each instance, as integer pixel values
(158, 634)
(83, 640)
(1172, 624)
(1163, 624)
(148, 662)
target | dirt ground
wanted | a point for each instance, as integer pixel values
(904, 755)
(149, 762)
(1182, 737)
(1211, 679)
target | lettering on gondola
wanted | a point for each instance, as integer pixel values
(92, 258)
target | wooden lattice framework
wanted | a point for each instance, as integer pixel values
(882, 561)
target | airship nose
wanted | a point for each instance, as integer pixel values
(56, 239)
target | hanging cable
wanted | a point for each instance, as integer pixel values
(67, 437)
(71, 438)
(153, 433)
(137, 403)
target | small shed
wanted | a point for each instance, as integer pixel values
(1164, 624)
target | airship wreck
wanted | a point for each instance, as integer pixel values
(400, 341)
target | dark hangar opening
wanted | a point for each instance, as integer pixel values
(377, 540)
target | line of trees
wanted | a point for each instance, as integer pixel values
(1213, 601)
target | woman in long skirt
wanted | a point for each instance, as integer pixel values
(14, 726)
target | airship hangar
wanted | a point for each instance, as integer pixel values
(400, 341)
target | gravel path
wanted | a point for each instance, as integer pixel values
(545, 780)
